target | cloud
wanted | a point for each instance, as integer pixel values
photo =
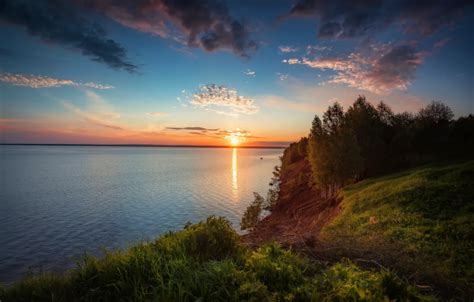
(225, 100)
(96, 86)
(380, 70)
(441, 43)
(97, 112)
(316, 49)
(282, 76)
(287, 49)
(323, 95)
(193, 128)
(347, 19)
(206, 24)
(90, 117)
(58, 22)
(156, 114)
(291, 61)
(218, 133)
(250, 73)
(33, 81)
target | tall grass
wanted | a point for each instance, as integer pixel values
(421, 221)
(206, 262)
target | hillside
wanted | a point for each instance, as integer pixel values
(419, 222)
(299, 214)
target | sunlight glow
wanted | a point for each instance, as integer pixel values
(237, 137)
(234, 140)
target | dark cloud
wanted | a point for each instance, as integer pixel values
(342, 18)
(205, 23)
(59, 22)
(397, 67)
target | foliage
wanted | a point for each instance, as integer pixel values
(366, 141)
(181, 267)
(333, 150)
(253, 212)
(294, 152)
(423, 218)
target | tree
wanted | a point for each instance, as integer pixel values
(364, 120)
(318, 155)
(252, 214)
(436, 113)
(333, 118)
(334, 154)
(385, 114)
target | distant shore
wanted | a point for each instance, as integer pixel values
(147, 145)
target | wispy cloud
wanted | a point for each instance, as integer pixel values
(380, 69)
(193, 129)
(282, 76)
(315, 49)
(223, 100)
(156, 114)
(287, 49)
(90, 117)
(34, 81)
(250, 73)
(441, 43)
(241, 134)
(96, 112)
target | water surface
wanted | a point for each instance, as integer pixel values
(56, 202)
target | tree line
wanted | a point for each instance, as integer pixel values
(367, 140)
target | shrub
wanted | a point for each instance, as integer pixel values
(205, 262)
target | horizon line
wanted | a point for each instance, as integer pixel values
(144, 145)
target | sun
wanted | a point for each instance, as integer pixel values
(237, 137)
(234, 140)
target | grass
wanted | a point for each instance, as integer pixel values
(420, 221)
(207, 262)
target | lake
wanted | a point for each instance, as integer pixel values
(57, 202)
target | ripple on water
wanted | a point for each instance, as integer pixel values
(57, 202)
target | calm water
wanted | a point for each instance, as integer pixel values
(58, 201)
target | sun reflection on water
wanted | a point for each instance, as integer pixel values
(234, 174)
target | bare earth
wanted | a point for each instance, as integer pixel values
(299, 215)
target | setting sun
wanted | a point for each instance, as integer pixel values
(234, 140)
(237, 136)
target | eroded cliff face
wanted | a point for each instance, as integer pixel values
(300, 212)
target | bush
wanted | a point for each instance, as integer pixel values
(206, 262)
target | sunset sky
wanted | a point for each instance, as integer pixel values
(205, 72)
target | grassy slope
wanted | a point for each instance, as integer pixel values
(420, 222)
(206, 262)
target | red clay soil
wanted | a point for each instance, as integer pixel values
(300, 213)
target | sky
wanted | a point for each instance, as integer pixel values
(211, 72)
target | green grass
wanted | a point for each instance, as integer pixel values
(206, 262)
(420, 221)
